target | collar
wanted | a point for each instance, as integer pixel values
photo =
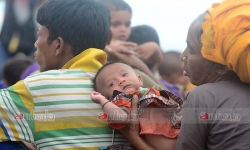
(90, 60)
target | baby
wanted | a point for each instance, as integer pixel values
(116, 83)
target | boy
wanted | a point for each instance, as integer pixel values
(120, 49)
(118, 82)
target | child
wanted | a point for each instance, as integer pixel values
(119, 48)
(142, 34)
(13, 69)
(118, 82)
(171, 73)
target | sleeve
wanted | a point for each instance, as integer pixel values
(194, 125)
(16, 107)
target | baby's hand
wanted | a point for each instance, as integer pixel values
(97, 97)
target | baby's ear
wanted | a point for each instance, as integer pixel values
(140, 80)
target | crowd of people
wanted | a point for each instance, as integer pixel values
(86, 79)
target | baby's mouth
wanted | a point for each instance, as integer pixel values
(125, 87)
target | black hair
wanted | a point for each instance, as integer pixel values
(13, 69)
(115, 5)
(170, 64)
(99, 71)
(143, 34)
(81, 23)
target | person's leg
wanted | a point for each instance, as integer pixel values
(4, 56)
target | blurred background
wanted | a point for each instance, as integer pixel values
(171, 18)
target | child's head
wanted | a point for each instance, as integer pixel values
(170, 69)
(116, 76)
(14, 68)
(142, 34)
(121, 14)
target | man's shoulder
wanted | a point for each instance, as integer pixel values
(58, 79)
(61, 73)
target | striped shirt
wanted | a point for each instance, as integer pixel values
(53, 109)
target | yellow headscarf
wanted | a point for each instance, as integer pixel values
(226, 36)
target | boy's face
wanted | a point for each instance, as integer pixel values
(119, 77)
(120, 24)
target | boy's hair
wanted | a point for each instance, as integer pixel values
(143, 34)
(99, 71)
(14, 68)
(170, 64)
(115, 5)
(81, 23)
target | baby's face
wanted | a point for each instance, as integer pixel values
(120, 24)
(119, 77)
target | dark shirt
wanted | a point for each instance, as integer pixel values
(216, 117)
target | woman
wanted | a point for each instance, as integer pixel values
(217, 60)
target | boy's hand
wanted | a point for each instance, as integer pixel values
(121, 47)
(149, 52)
(97, 97)
(146, 50)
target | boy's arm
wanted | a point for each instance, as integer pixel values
(16, 121)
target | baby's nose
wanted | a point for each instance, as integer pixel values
(122, 81)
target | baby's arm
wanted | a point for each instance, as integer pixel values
(115, 114)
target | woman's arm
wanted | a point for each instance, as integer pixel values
(131, 130)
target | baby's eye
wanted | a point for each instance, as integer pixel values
(125, 74)
(111, 84)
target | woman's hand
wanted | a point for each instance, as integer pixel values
(133, 126)
(132, 129)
